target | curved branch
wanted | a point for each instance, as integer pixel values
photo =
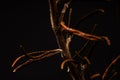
(66, 61)
(85, 35)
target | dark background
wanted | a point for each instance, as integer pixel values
(27, 23)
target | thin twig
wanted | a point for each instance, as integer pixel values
(63, 11)
(88, 15)
(95, 75)
(109, 66)
(24, 52)
(87, 40)
(113, 75)
(48, 53)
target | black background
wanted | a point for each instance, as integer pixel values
(27, 23)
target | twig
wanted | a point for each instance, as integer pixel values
(48, 53)
(95, 75)
(109, 66)
(87, 40)
(113, 75)
(88, 15)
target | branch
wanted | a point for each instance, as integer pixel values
(35, 57)
(95, 76)
(85, 35)
(109, 66)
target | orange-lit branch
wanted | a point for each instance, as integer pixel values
(85, 35)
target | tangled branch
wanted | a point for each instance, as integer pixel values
(77, 65)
